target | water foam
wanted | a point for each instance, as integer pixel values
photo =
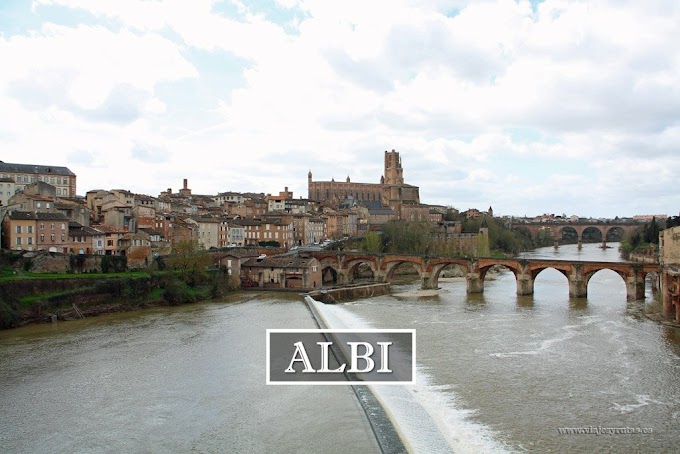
(425, 415)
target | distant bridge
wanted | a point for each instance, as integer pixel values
(342, 268)
(557, 228)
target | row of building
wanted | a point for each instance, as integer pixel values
(41, 211)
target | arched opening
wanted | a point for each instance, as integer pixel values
(329, 276)
(568, 235)
(499, 281)
(361, 273)
(550, 283)
(592, 235)
(453, 272)
(403, 273)
(607, 288)
(614, 234)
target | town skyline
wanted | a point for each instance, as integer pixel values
(530, 107)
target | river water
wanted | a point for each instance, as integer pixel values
(497, 372)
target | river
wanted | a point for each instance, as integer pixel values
(497, 372)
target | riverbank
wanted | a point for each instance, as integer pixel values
(44, 300)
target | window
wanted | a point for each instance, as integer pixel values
(63, 226)
(42, 237)
(19, 240)
(52, 226)
(63, 237)
(48, 204)
(18, 229)
(52, 237)
(58, 191)
(29, 229)
(42, 226)
(99, 243)
(29, 240)
(109, 242)
(314, 269)
(39, 204)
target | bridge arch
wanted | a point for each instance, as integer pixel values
(624, 277)
(329, 275)
(614, 233)
(358, 265)
(390, 266)
(601, 233)
(435, 267)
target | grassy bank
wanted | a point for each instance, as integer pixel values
(27, 298)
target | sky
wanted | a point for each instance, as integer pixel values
(531, 107)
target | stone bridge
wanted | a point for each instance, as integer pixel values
(341, 268)
(556, 229)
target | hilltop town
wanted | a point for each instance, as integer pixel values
(41, 211)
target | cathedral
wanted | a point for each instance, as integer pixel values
(391, 192)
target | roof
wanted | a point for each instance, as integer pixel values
(51, 216)
(35, 168)
(381, 211)
(21, 215)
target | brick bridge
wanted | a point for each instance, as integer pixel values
(343, 266)
(556, 229)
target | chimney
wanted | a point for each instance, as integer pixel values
(185, 183)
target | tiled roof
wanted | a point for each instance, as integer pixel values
(51, 216)
(21, 215)
(33, 168)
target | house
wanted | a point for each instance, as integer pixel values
(233, 259)
(85, 240)
(19, 230)
(206, 231)
(282, 272)
(669, 258)
(7, 190)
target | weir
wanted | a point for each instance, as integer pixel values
(382, 426)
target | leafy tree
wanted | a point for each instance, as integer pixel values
(191, 260)
(372, 243)
(407, 237)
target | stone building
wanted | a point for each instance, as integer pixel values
(391, 192)
(282, 272)
(669, 258)
(61, 178)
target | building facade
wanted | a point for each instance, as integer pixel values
(391, 192)
(23, 174)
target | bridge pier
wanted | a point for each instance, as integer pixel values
(635, 288)
(578, 287)
(556, 243)
(426, 282)
(580, 244)
(525, 285)
(604, 244)
(475, 284)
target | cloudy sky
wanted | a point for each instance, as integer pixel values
(531, 107)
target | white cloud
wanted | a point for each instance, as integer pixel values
(457, 87)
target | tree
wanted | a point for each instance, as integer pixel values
(191, 260)
(372, 243)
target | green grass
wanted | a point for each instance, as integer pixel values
(26, 301)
